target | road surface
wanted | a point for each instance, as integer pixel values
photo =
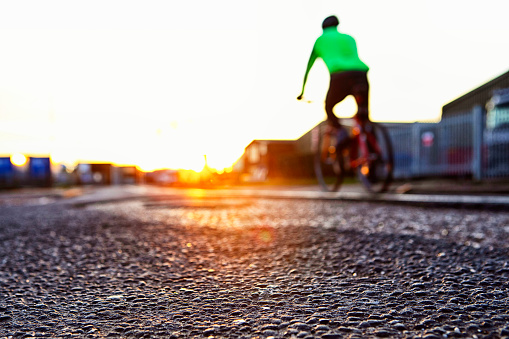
(131, 264)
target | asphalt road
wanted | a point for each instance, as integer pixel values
(134, 262)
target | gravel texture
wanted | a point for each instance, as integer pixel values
(252, 268)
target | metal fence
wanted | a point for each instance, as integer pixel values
(460, 145)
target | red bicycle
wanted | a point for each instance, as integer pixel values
(367, 151)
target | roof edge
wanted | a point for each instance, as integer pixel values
(475, 90)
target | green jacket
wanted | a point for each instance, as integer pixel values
(338, 51)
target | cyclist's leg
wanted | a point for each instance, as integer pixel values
(338, 91)
(360, 91)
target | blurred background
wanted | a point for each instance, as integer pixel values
(168, 92)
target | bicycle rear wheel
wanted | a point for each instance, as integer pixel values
(328, 161)
(375, 172)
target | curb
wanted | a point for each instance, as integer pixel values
(469, 201)
(428, 199)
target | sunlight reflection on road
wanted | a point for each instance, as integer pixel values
(195, 193)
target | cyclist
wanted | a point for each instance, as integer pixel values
(348, 74)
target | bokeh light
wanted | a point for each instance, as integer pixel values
(19, 159)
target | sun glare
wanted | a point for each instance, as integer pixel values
(18, 159)
(195, 163)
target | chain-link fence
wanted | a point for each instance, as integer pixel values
(460, 145)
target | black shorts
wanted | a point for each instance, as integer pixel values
(344, 84)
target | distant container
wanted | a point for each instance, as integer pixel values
(84, 174)
(6, 173)
(162, 177)
(39, 172)
(126, 175)
(101, 173)
(95, 174)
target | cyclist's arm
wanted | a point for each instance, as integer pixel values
(312, 59)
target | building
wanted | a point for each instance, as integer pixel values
(480, 96)
(491, 102)
(264, 159)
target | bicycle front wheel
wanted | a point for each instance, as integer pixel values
(328, 161)
(376, 170)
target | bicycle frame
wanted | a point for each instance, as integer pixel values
(358, 145)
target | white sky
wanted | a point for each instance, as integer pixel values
(161, 83)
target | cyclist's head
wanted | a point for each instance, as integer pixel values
(331, 21)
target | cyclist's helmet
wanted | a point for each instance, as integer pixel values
(331, 21)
